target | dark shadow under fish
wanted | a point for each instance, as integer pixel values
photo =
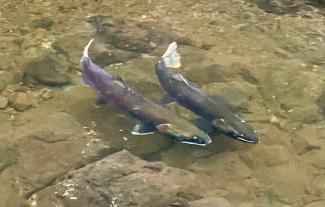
(151, 116)
(214, 111)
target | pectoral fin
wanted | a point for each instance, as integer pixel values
(101, 101)
(119, 78)
(179, 78)
(204, 125)
(166, 100)
(163, 128)
(144, 128)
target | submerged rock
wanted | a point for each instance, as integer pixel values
(240, 95)
(316, 204)
(134, 36)
(3, 102)
(22, 101)
(46, 70)
(293, 95)
(6, 78)
(120, 179)
(210, 202)
(280, 6)
(318, 2)
(43, 22)
(107, 56)
(206, 75)
(307, 139)
(8, 157)
(47, 149)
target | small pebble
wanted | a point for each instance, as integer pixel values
(274, 120)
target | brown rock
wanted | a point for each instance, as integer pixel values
(210, 202)
(6, 78)
(3, 102)
(120, 179)
(49, 70)
(22, 101)
(316, 204)
(307, 139)
(59, 143)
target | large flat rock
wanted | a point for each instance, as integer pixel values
(120, 179)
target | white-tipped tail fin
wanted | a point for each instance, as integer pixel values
(171, 57)
(85, 53)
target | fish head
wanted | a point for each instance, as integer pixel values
(237, 129)
(188, 135)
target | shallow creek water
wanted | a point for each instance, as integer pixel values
(268, 66)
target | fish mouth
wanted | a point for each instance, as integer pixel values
(193, 143)
(196, 140)
(251, 139)
(238, 130)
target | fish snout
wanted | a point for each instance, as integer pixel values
(205, 138)
(187, 137)
(201, 140)
(247, 138)
(239, 130)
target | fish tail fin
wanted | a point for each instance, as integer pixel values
(86, 49)
(171, 57)
(86, 64)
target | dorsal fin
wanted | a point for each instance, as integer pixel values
(179, 78)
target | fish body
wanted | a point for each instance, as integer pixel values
(151, 116)
(213, 110)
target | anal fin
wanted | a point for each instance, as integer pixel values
(119, 78)
(101, 101)
(166, 100)
(144, 128)
(204, 125)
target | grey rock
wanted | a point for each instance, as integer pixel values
(47, 70)
(120, 179)
(210, 202)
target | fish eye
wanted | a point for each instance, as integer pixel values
(195, 137)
